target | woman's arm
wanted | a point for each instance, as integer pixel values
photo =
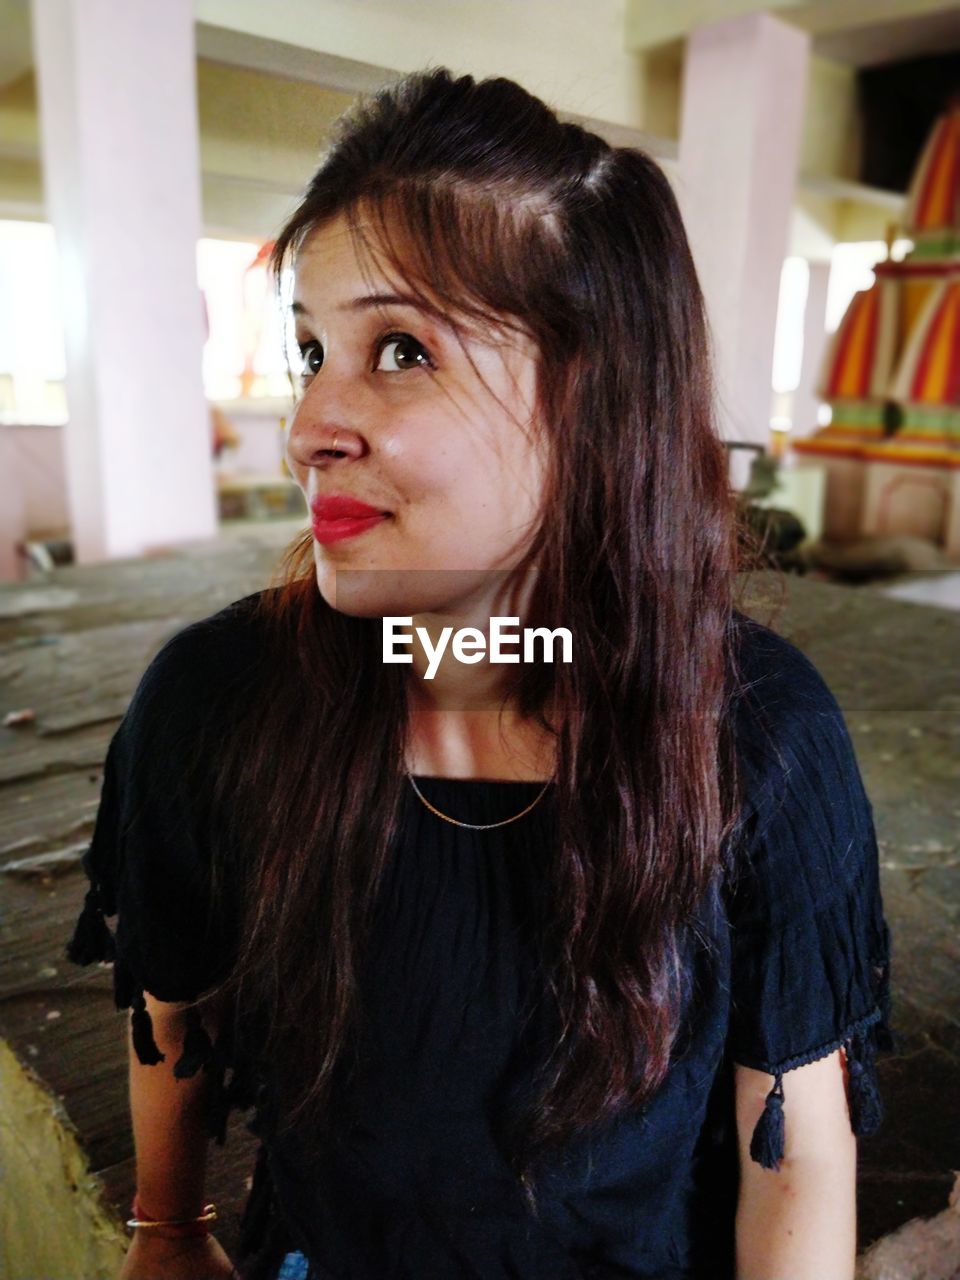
(798, 1222)
(171, 1140)
(169, 1130)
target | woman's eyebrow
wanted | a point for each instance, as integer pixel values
(386, 300)
(371, 300)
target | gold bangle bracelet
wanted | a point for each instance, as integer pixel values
(209, 1215)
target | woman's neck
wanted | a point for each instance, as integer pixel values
(477, 744)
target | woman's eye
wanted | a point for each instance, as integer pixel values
(311, 354)
(404, 353)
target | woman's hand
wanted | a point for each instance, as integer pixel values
(171, 1139)
(197, 1258)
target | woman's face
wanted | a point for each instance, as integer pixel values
(450, 454)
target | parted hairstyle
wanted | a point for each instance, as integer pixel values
(491, 207)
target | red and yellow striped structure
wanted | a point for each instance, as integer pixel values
(933, 200)
(859, 360)
(929, 369)
(891, 374)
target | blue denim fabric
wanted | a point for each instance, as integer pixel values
(293, 1267)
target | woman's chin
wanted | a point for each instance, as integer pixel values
(361, 593)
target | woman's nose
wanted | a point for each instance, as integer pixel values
(322, 446)
(322, 431)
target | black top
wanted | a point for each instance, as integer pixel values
(416, 1186)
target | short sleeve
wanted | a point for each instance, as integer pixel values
(148, 861)
(810, 947)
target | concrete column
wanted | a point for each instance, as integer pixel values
(12, 513)
(117, 96)
(806, 402)
(744, 90)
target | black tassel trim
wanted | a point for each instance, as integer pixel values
(884, 1037)
(866, 1105)
(244, 1089)
(92, 939)
(239, 1095)
(197, 1047)
(218, 1106)
(767, 1142)
(125, 985)
(224, 1098)
(143, 1041)
(218, 1113)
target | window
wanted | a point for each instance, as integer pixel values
(243, 357)
(32, 363)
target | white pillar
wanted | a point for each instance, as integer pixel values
(744, 89)
(117, 96)
(806, 402)
(12, 515)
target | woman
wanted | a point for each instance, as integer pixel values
(544, 969)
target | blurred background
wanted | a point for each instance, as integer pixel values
(148, 155)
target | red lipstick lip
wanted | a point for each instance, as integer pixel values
(326, 531)
(338, 506)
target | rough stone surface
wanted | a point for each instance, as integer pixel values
(922, 1249)
(41, 1157)
(73, 644)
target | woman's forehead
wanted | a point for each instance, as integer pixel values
(333, 250)
(344, 260)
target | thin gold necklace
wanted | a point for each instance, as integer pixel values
(476, 826)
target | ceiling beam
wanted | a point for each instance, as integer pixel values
(649, 26)
(274, 57)
(16, 48)
(289, 61)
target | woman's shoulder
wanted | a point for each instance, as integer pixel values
(229, 632)
(205, 653)
(794, 749)
(774, 672)
(195, 681)
(780, 697)
(804, 799)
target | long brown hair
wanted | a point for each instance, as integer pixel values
(503, 212)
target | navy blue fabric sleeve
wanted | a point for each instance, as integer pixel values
(148, 860)
(810, 947)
